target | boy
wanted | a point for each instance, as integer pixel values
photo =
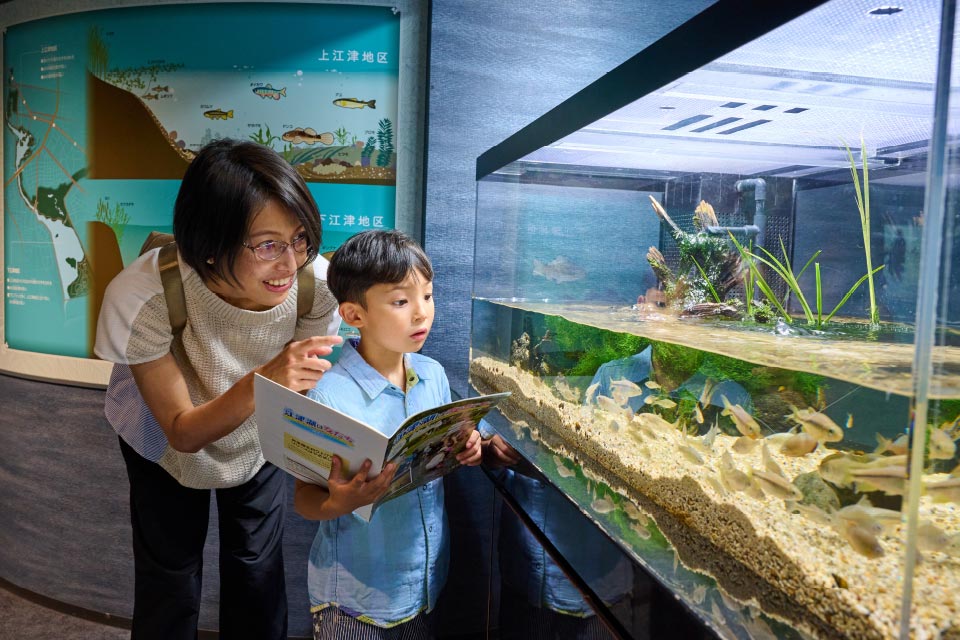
(379, 579)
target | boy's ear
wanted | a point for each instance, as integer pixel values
(352, 313)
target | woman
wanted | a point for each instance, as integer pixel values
(182, 403)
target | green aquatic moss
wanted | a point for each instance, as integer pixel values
(590, 346)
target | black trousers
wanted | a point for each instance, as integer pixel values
(169, 529)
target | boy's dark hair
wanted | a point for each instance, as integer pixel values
(224, 187)
(379, 256)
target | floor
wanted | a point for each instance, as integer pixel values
(25, 619)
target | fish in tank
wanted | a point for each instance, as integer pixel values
(787, 460)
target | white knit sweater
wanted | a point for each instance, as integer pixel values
(219, 344)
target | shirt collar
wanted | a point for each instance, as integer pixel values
(369, 379)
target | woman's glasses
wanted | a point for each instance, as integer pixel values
(273, 249)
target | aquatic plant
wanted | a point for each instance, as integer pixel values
(707, 266)
(265, 138)
(755, 279)
(593, 346)
(863, 206)
(116, 219)
(341, 135)
(784, 269)
(97, 52)
(385, 140)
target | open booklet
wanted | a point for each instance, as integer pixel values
(301, 436)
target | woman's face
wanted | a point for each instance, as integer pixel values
(263, 284)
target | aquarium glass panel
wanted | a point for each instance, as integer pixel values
(709, 306)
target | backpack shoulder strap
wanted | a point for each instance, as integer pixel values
(306, 283)
(173, 287)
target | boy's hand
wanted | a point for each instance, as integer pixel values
(497, 453)
(472, 453)
(348, 495)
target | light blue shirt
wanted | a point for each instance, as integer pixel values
(388, 570)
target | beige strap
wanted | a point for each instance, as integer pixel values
(173, 287)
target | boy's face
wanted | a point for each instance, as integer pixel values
(397, 317)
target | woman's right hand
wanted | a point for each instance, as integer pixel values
(299, 366)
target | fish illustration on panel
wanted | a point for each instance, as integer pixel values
(218, 114)
(307, 136)
(269, 92)
(353, 103)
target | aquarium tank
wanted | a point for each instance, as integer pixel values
(720, 284)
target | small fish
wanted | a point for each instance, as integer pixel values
(799, 445)
(307, 136)
(697, 413)
(623, 389)
(591, 392)
(776, 486)
(706, 394)
(666, 403)
(159, 89)
(609, 405)
(699, 594)
(817, 424)
(731, 477)
(849, 423)
(690, 453)
(816, 514)
(930, 537)
(754, 490)
(743, 444)
(602, 505)
(861, 540)
(634, 513)
(568, 393)
(560, 270)
(641, 530)
(942, 446)
(744, 422)
(900, 446)
(889, 479)
(562, 470)
(777, 439)
(353, 103)
(269, 92)
(650, 384)
(710, 436)
(944, 491)
(717, 485)
(218, 114)
(769, 464)
(887, 518)
(654, 424)
(150, 96)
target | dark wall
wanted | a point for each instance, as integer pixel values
(496, 66)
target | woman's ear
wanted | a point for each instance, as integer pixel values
(352, 314)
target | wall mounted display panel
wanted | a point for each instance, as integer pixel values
(103, 111)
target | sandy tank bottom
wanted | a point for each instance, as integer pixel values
(831, 590)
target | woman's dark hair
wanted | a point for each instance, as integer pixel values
(374, 257)
(228, 183)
